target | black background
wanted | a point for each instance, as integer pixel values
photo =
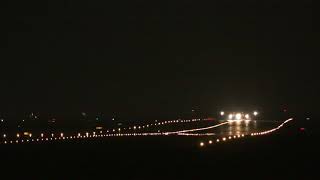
(143, 59)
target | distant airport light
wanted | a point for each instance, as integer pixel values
(238, 116)
(4, 135)
(247, 116)
(26, 133)
(255, 113)
(201, 144)
(221, 113)
(230, 116)
(18, 135)
(210, 142)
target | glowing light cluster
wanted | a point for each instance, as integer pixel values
(240, 116)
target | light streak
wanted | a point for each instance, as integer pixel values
(197, 129)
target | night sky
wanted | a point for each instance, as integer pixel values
(144, 59)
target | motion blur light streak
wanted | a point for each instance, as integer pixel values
(197, 129)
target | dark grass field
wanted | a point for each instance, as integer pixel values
(287, 154)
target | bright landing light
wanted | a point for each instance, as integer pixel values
(238, 116)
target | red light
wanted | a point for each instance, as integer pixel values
(302, 129)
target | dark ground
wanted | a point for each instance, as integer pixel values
(288, 154)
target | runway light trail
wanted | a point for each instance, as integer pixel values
(252, 134)
(271, 130)
(197, 129)
(93, 135)
(194, 134)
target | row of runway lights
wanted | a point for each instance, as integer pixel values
(222, 139)
(202, 144)
(79, 136)
(271, 130)
(128, 128)
(94, 135)
(155, 124)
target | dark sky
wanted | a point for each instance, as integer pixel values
(157, 59)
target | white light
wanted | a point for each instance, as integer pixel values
(201, 144)
(230, 116)
(4, 135)
(221, 113)
(247, 116)
(18, 135)
(255, 113)
(210, 142)
(238, 116)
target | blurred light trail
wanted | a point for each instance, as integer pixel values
(197, 129)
